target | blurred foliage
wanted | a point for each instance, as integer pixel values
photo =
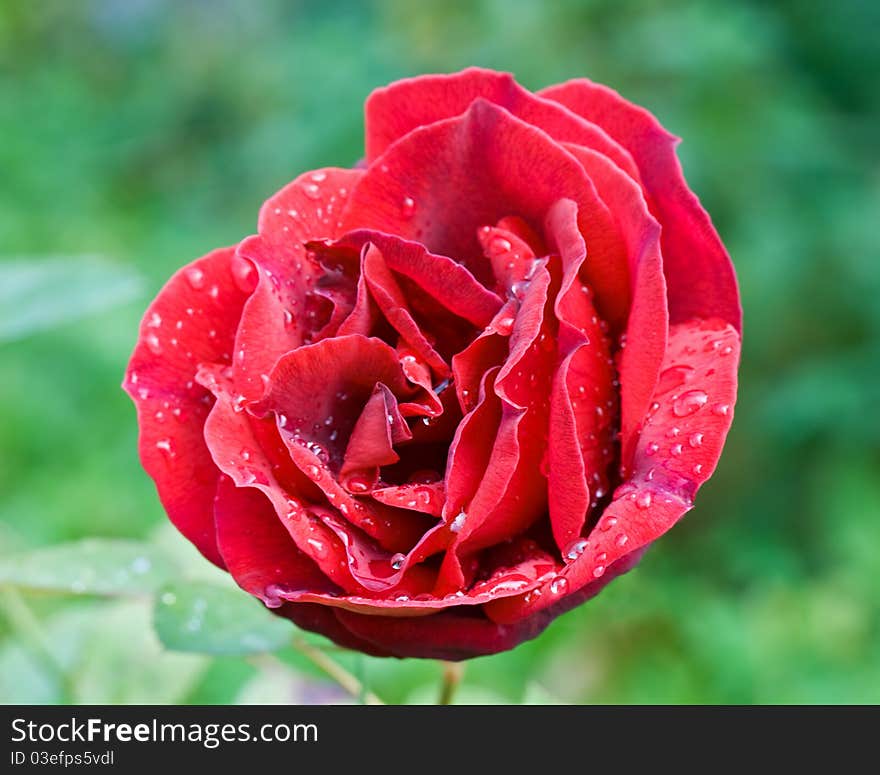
(149, 131)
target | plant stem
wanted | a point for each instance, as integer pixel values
(453, 672)
(337, 672)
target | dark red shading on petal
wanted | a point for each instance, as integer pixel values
(276, 318)
(191, 321)
(320, 619)
(449, 635)
(699, 275)
(405, 105)
(676, 452)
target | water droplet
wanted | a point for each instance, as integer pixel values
(238, 403)
(319, 176)
(652, 449)
(196, 277)
(695, 440)
(673, 377)
(499, 246)
(313, 471)
(458, 523)
(689, 402)
(397, 561)
(165, 445)
(559, 585)
(622, 540)
(312, 191)
(153, 343)
(643, 500)
(408, 207)
(576, 549)
(698, 469)
(598, 571)
(675, 450)
(504, 326)
(358, 483)
(155, 320)
(607, 524)
(141, 565)
(721, 409)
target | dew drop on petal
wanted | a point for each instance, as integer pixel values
(695, 440)
(153, 343)
(643, 500)
(689, 402)
(721, 409)
(195, 277)
(559, 585)
(576, 549)
(408, 207)
(458, 523)
(397, 561)
(504, 326)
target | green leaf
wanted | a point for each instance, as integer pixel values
(94, 566)
(36, 294)
(105, 652)
(204, 618)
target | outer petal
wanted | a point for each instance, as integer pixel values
(259, 553)
(191, 321)
(647, 323)
(449, 635)
(676, 452)
(397, 109)
(699, 274)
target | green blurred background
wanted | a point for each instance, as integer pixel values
(146, 132)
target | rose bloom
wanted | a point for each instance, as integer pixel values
(445, 396)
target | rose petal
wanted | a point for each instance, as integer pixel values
(192, 320)
(647, 323)
(275, 319)
(450, 635)
(699, 275)
(476, 169)
(447, 282)
(676, 452)
(257, 551)
(322, 388)
(394, 111)
(378, 428)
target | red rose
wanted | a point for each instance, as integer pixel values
(442, 398)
